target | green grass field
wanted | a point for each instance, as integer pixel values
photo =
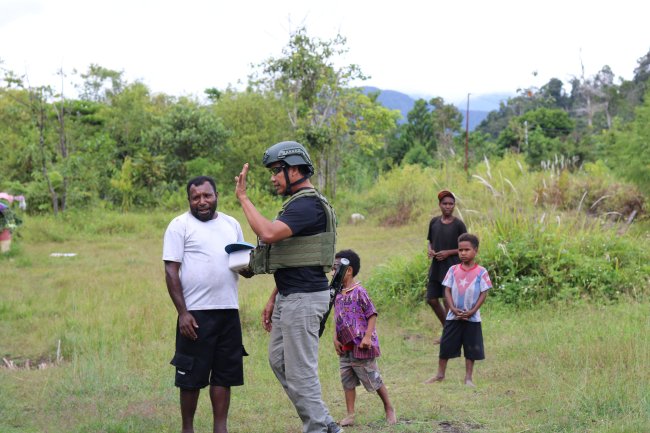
(578, 367)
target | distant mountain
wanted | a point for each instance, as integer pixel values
(488, 102)
(480, 105)
(393, 100)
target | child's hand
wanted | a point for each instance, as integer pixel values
(366, 342)
(457, 312)
(465, 315)
(338, 347)
(442, 255)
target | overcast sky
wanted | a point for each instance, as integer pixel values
(428, 47)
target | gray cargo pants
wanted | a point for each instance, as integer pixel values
(293, 355)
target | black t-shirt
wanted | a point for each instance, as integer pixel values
(305, 216)
(444, 237)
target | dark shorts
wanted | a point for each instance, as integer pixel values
(435, 289)
(216, 356)
(457, 333)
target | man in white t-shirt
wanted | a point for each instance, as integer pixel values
(209, 349)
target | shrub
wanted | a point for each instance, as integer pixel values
(400, 282)
(593, 190)
(533, 260)
(405, 194)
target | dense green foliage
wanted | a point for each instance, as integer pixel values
(545, 236)
(566, 163)
(534, 262)
(8, 219)
(599, 119)
(117, 145)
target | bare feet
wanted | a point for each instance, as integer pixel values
(347, 421)
(391, 418)
(434, 379)
(469, 382)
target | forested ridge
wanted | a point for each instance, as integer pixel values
(116, 144)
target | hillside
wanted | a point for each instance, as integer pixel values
(400, 101)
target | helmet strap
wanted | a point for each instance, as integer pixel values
(287, 190)
(302, 179)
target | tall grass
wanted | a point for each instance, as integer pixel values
(533, 251)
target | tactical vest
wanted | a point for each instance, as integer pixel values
(298, 251)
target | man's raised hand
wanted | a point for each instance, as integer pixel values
(240, 183)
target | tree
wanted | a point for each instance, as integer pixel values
(129, 114)
(364, 136)
(17, 161)
(551, 95)
(540, 134)
(123, 184)
(100, 84)
(642, 76)
(628, 151)
(447, 121)
(419, 127)
(254, 121)
(186, 131)
(417, 154)
(593, 95)
(480, 146)
(48, 158)
(430, 127)
(554, 96)
(632, 92)
(315, 95)
(60, 152)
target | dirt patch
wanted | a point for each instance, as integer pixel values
(142, 409)
(458, 427)
(40, 363)
(413, 337)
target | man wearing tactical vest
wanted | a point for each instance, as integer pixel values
(298, 248)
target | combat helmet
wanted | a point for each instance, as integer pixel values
(290, 153)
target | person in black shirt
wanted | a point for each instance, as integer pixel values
(443, 252)
(301, 297)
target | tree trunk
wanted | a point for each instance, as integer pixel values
(41, 143)
(60, 114)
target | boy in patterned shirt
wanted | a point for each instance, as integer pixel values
(355, 339)
(466, 286)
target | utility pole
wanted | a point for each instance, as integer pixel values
(467, 134)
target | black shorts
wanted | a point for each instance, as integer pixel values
(457, 333)
(435, 289)
(216, 356)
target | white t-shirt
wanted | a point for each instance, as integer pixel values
(208, 283)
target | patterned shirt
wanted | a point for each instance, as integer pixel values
(351, 313)
(466, 287)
